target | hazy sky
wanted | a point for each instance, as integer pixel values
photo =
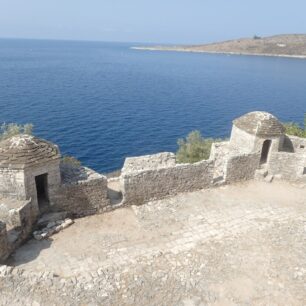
(159, 21)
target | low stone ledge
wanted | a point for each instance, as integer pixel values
(52, 228)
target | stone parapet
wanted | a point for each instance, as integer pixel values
(142, 186)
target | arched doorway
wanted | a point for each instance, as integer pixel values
(265, 151)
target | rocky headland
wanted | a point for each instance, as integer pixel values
(290, 45)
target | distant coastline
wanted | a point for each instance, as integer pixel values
(216, 52)
(289, 46)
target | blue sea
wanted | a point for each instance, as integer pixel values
(102, 102)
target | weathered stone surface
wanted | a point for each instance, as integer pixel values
(52, 228)
(21, 151)
(142, 186)
(260, 124)
(85, 198)
(260, 174)
(149, 162)
(12, 183)
(51, 217)
(289, 165)
(298, 144)
(76, 175)
(241, 167)
(219, 154)
(269, 178)
(13, 212)
(17, 216)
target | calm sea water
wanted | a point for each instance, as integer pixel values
(102, 102)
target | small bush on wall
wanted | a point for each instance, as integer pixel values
(295, 129)
(70, 161)
(194, 148)
(8, 130)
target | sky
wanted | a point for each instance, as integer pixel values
(155, 21)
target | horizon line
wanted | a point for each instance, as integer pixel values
(139, 42)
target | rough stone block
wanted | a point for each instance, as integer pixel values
(269, 178)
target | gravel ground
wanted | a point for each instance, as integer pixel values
(236, 245)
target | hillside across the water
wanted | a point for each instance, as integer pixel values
(291, 45)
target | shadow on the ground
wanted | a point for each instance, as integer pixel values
(28, 252)
(114, 196)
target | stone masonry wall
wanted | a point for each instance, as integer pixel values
(23, 222)
(241, 167)
(15, 212)
(241, 141)
(298, 144)
(4, 252)
(291, 166)
(149, 162)
(82, 198)
(142, 186)
(12, 184)
(18, 218)
(219, 153)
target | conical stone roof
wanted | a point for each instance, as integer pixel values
(22, 151)
(261, 124)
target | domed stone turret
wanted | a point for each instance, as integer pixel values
(30, 169)
(23, 151)
(257, 132)
(260, 124)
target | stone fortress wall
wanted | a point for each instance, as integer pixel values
(258, 148)
(139, 186)
(156, 176)
(82, 192)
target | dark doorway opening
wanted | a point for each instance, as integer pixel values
(41, 182)
(265, 151)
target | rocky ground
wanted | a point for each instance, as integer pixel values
(235, 245)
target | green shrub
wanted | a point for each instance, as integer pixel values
(194, 148)
(295, 129)
(8, 130)
(70, 161)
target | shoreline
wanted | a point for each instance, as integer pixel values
(217, 52)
